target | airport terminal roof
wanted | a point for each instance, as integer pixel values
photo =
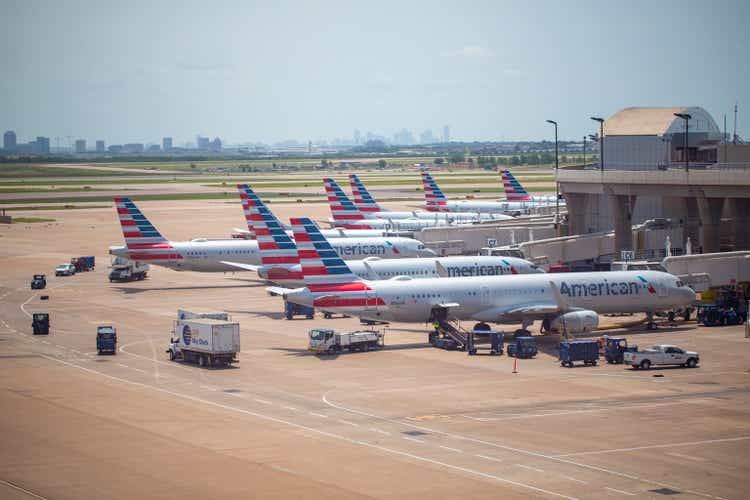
(657, 121)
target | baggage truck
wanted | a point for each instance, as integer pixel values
(579, 350)
(208, 342)
(291, 310)
(323, 340)
(106, 339)
(85, 263)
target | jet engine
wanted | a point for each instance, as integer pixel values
(575, 322)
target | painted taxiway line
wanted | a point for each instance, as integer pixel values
(449, 448)
(553, 458)
(262, 401)
(339, 437)
(494, 459)
(654, 446)
(22, 490)
(529, 467)
(620, 491)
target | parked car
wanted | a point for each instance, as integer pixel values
(66, 269)
(661, 355)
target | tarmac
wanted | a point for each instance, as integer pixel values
(407, 421)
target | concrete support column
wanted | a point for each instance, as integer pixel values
(710, 212)
(692, 222)
(740, 210)
(578, 205)
(622, 211)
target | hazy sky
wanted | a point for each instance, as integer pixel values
(266, 71)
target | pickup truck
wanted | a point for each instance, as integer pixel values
(65, 270)
(661, 355)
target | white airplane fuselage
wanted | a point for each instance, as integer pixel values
(204, 255)
(499, 299)
(496, 207)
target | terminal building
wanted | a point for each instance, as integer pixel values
(651, 168)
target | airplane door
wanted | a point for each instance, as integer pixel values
(485, 294)
(661, 290)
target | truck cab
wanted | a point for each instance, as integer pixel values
(321, 339)
(106, 339)
(39, 282)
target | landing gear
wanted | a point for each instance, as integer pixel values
(482, 327)
(650, 323)
(521, 332)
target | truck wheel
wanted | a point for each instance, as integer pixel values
(692, 363)
(645, 364)
(171, 355)
(331, 350)
(201, 361)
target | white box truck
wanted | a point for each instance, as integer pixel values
(123, 269)
(324, 340)
(207, 342)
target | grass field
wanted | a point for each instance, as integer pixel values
(24, 220)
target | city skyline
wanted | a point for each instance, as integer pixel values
(498, 74)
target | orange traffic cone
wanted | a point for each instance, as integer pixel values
(515, 365)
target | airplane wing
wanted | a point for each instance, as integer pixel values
(529, 311)
(447, 305)
(441, 270)
(239, 265)
(371, 274)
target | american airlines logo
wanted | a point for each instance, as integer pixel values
(475, 270)
(605, 288)
(360, 249)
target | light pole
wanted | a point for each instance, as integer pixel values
(601, 141)
(687, 118)
(584, 151)
(557, 183)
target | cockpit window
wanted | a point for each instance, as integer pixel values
(420, 247)
(680, 283)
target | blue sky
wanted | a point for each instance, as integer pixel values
(267, 71)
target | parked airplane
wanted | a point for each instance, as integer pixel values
(370, 208)
(280, 261)
(514, 191)
(143, 242)
(436, 201)
(572, 299)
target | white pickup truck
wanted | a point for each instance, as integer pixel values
(661, 355)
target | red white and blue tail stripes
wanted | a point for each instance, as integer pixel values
(435, 200)
(326, 274)
(276, 248)
(362, 198)
(142, 239)
(513, 189)
(345, 213)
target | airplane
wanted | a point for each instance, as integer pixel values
(573, 300)
(280, 260)
(370, 208)
(514, 191)
(143, 242)
(346, 214)
(436, 201)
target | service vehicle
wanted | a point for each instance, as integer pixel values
(40, 323)
(522, 347)
(83, 264)
(615, 349)
(187, 314)
(660, 355)
(66, 269)
(324, 340)
(291, 310)
(208, 342)
(106, 339)
(579, 350)
(39, 282)
(123, 269)
(718, 315)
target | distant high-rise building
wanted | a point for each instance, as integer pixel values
(42, 145)
(403, 138)
(166, 144)
(115, 149)
(215, 145)
(133, 147)
(100, 146)
(446, 133)
(426, 137)
(9, 141)
(357, 137)
(202, 142)
(80, 146)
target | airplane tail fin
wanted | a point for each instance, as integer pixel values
(142, 239)
(514, 191)
(435, 200)
(322, 268)
(276, 248)
(362, 198)
(344, 212)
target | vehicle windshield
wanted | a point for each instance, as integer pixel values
(317, 334)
